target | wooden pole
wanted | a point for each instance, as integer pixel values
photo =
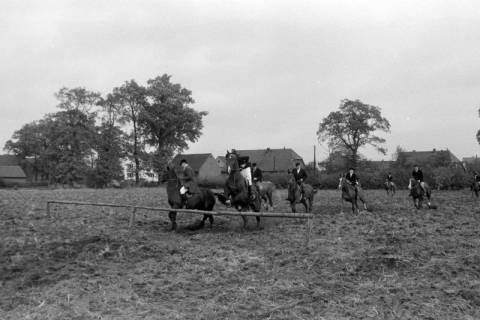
(132, 217)
(215, 213)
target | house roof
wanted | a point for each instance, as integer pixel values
(470, 159)
(194, 160)
(272, 159)
(11, 172)
(426, 156)
(9, 160)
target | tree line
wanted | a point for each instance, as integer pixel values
(91, 133)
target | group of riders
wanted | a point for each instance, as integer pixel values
(253, 175)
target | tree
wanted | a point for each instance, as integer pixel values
(478, 132)
(109, 142)
(168, 121)
(352, 127)
(28, 142)
(132, 100)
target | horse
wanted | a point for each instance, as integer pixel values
(295, 195)
(236, 190)
(390, 187)
(475, 188)
(351, 194)
(266, 189)
(205, 200)
(418, 194)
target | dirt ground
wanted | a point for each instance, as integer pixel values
(391, 263)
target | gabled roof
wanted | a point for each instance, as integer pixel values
(272, 159)
(426, 156)
(194, 160)
(9, 160)
(11, 172)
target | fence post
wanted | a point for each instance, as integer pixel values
(132, 217)
(308, 232)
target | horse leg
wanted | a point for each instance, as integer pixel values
(270, 201)
(173, 219)
(210, 219)
(293, 206)
(245, 221)
(258, 222)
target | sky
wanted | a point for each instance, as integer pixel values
(267, 72)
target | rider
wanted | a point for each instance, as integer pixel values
(352, 178)
(188, 179)
(246, 172)
(389, 177)
(257, 174)
(417, 174)
(476, 176)
(300, 175)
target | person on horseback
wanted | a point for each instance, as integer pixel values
(299, 175)
(246, 173)
(352, 178)
(476, 177)
(389, 178)
(188, 180)
(257, 174)
(417, 174)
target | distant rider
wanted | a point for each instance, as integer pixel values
(417, 174)
(352, 178)
(299, 174)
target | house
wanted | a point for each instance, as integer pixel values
(435, 158)
(273, 160)
(222, 163)
(145, 173)
(12, 175)
(204, 164)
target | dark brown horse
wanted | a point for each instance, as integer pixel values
(351, 194)
(236, 190)
(295, 195)
(418, 194)
(475, 188)
(205, 200)
(266, 189)
(390, 187)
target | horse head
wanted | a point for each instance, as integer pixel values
(231, 159)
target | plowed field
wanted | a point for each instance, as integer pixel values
(391, 263)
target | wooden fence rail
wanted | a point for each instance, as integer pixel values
(134, 208)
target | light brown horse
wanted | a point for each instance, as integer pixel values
(295, 195)
(351, 194)
(266, 189)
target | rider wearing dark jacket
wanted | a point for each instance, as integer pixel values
(351, 177)
(389, 177)
(417, 174)
(257, 174)
(299, 175)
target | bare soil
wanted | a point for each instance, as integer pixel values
(85, 263)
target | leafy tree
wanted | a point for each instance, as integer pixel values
(28, 142)
(109, 142)
(169, 122)
(132, 99)
(352, 127)
(78, 99)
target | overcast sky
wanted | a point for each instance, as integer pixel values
(266, 71)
